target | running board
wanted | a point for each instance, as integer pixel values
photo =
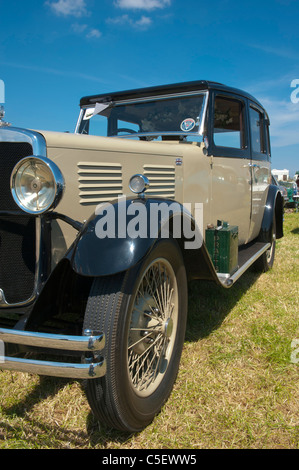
(246, 257)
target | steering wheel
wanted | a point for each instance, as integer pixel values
(124, 129)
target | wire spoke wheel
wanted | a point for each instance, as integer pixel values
(153, 327)
(265, 262)
(143, 314)
(270, 252)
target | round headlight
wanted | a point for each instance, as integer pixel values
(138, 184)
(36, 184)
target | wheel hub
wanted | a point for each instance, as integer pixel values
(143, 324)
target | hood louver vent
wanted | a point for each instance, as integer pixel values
(99, 182)
(162, 180)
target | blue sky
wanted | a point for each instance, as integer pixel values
(53, 52)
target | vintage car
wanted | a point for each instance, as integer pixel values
(101, 230)
(291, 189)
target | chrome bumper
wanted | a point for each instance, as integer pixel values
(93, 368)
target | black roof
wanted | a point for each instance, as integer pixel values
(163, 89)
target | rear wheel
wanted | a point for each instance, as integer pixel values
(265, 262)
(143, 314)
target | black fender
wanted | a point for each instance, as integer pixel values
(91, 256)
(94, 254)
(274, 208)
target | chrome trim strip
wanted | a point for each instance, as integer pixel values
(16, 134)
(93, 343)
(153, 134)
(80, 117)
(202, 116)
(227, 280)
(151, 98)
(53, 341)
(55, 369)
(39, 147)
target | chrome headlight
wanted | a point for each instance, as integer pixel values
(36, 184)
(138, 184)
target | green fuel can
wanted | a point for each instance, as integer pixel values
(222, 245)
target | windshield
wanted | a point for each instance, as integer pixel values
(169, 117)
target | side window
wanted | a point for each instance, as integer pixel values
(228, 128)
(257, 130)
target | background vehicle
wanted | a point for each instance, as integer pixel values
(282, 189)
(291, 190)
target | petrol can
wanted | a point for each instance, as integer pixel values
(222, 245)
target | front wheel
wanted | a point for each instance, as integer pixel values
(143, 314)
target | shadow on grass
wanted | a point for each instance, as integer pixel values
(47, 387)
(209, 305)
(21, 426)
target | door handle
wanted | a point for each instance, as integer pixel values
(253, 165)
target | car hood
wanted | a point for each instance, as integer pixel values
(90, 142)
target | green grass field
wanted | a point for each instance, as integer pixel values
(237, 386)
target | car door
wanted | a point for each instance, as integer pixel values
(231, 163)
(260, 164)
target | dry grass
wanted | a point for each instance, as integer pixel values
(237, 386)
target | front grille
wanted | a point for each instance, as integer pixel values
(17, 232)
(10, 154)
(17, 257)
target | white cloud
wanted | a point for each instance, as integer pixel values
(119, 20)
(75, 8)
(142, 4)
(94, 34)
(89, 33)
(142, 23)
(79, 28)
(285, 53)
(58, 72)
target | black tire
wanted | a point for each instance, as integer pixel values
(143, 314)
(265, 262)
